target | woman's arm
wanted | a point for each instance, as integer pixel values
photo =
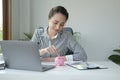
(52, 59)
(79, 52)
(51, 49)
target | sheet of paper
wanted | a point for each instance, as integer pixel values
(2, 63)
(85, 65)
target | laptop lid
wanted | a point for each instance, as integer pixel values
(22, 55)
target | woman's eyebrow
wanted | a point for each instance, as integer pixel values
(56, 21)
(61, 22)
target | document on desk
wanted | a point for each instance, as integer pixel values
(85, 66)
(2, 65)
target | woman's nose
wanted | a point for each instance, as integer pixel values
(58, 27)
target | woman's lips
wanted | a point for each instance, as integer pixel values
(56, 30)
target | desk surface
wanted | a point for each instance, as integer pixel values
(65, 73)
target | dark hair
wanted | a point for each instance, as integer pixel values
(58, 9)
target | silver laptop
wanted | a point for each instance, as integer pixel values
(23, 55)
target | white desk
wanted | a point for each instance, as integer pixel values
(65, 73)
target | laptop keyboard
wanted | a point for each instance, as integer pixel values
(47, 67)
(44, 67)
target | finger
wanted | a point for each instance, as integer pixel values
(55, 50)
(58, 53)
(47, 49)
(50, 50)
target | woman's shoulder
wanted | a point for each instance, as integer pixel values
(39, 30)
(67, 31)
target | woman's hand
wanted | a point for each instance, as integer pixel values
(49, 50)
(48, 59)
(52, 59)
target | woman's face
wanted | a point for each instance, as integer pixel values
(57, 22)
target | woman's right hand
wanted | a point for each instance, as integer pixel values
(51, 49)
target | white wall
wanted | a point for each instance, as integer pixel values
(20, 18)
(15, 19)
(98, 21)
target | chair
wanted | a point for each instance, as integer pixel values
(68, 29)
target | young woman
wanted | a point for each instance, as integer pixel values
(54, 40)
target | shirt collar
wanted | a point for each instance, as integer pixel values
(55, 36)
(48, 35)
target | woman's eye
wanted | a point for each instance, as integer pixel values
(62, 25)
(55, 23)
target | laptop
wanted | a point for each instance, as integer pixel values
(23, 55)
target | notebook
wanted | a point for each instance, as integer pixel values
(85, 65)
(23, 55)
(2, 65)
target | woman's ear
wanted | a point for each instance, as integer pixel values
(48, 19)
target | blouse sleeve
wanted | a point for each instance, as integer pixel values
(79, 53)
(37, 36)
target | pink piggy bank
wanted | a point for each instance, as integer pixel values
(59, 61)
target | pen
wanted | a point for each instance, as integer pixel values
(87, 63)
(58, 54)
(2, 68)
